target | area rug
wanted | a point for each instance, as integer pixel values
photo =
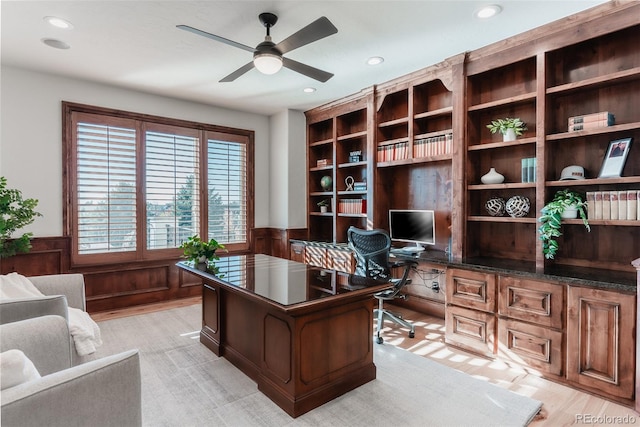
(185, 384)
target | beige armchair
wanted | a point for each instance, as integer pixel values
(61, 291)
(103, 392)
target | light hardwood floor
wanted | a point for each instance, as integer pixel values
(562, 405)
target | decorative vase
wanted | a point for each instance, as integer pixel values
(509, 135)
(326, 183)
(492, 177)
(202, 259)
(323, 209)
(495, 206)
(518, 206)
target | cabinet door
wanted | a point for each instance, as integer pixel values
(601, 340)
(532, 301)
(470, 329)
(297, 252)
(471, 289)
(534, 346)
(210, 333)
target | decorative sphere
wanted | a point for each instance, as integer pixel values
(326, 183)
(518, 206)
(495, 206)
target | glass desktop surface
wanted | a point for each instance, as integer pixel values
(283, 281)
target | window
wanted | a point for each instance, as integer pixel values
(137, 186)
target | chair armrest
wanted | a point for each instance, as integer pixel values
(69, 285)
(104, 392)
(13, 310)
(44, 340)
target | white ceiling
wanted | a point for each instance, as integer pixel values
(136, 45)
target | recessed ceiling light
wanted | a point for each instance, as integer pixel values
(309, 89)
(58, 22)
(375, 60)
(488, 11)
(58, 44)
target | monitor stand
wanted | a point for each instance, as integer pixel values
(413, 249)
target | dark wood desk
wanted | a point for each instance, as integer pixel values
(303, 333)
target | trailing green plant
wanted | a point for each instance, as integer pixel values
(195, 248)
(324, 202)
(551, 219)
(501, 125)
(15, 213)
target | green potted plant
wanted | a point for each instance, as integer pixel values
(508, 127)
(200, 251)
(565, 204)
(324, 205)
(15, 213)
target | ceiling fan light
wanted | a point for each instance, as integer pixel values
(267, 63)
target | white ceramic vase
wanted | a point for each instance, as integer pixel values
(509, 135)
(492, 177)
(569, 213)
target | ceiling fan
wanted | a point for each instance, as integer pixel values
(267, 56)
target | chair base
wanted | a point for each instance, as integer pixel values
(381, 314)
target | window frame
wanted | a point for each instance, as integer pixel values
(141, 253)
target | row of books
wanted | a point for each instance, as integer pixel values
(352, 206)
(591, 121)
(391, 152)
(433, 146)
(622, 205)
(528, 169)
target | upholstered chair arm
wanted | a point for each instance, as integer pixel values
(44, 340)
(13, 310)
(104, 392)
(69, 285)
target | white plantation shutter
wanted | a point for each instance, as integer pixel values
(227, 190)
(105, 188)
(172, 187)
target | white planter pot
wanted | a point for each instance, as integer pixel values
(569, 213)
(510, 135)
(323, 209)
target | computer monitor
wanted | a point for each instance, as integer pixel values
(413, 226)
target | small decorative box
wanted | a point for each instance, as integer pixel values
(322, 163)
(355, 156)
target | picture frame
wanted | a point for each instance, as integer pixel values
(615, 158)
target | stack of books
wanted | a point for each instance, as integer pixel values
(352, 206)
(529, 169)
(591, 121)
(433, 146)
(391, 152)
(622, 205)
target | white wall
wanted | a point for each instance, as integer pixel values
(31, 136)
(288, 170)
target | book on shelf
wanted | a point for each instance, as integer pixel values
(589, 125)
(591, 207)
(632, 204)
(352, 206)
(606, 205)
(594, 117)
(613, 196)
(433, 146)
(622, 204)
(391, 152)
(597, 205)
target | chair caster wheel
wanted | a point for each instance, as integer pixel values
(379, 340)
(412, 334)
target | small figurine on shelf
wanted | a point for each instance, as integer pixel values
(508, 127)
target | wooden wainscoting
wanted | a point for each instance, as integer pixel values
(115, 286)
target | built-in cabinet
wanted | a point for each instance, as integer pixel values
(580, 335)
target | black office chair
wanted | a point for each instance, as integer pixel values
(371, 249)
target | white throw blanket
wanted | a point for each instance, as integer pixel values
(84, 331)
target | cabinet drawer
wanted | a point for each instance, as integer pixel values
(535, 346)
(532, 301)
(296, 252)
(471, 289)
(470, 329)
(340, 260)
(315, 256)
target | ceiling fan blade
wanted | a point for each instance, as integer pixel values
(307, 70)
(318, 29)
(216, 38)
(237, 73)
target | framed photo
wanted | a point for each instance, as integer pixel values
(615, 158)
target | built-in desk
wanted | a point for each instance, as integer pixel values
(303, 333)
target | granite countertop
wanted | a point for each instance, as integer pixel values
(623, 281)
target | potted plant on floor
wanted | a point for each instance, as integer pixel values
(509, 127)
(200, 251)
(15, 213)
(565, 204)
